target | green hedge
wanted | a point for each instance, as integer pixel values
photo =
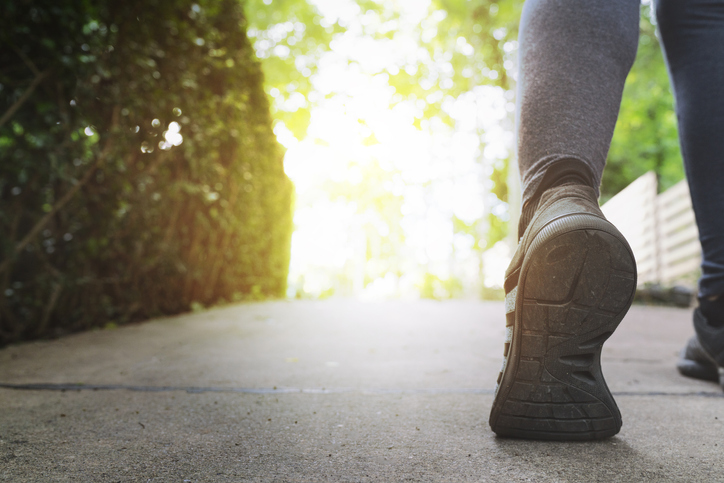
(103, 221)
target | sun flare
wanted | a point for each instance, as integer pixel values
(392, 201)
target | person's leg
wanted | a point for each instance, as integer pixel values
(693, 38)
(574, 56)
(573, 276)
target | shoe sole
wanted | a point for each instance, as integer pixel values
(576, 283)
(697, 370)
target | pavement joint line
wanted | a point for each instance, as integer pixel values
(244, 390)
(292, 390)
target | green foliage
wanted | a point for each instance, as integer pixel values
(425, 65)
(490, 30)
(290, 36)
(153, 226)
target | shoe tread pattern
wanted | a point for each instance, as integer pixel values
(576, 290)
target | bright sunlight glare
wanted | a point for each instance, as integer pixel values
(388, 202)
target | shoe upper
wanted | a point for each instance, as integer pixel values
(555, 203)
(695, 352)
(711, 338)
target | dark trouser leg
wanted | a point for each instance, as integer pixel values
(693, 39)
(574, 56)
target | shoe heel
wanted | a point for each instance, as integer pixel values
(575, 287)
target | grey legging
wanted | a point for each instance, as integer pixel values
(574, 58)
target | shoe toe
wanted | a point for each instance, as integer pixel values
(696, 363)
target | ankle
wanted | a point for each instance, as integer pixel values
(569, 179)
(712, 308)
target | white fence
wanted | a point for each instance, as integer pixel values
(660, 229)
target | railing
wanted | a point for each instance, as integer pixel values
(660, 229)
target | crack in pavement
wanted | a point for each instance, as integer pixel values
(292, 390)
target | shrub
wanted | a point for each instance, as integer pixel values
(140, 173)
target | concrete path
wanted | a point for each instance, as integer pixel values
(335, 391)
